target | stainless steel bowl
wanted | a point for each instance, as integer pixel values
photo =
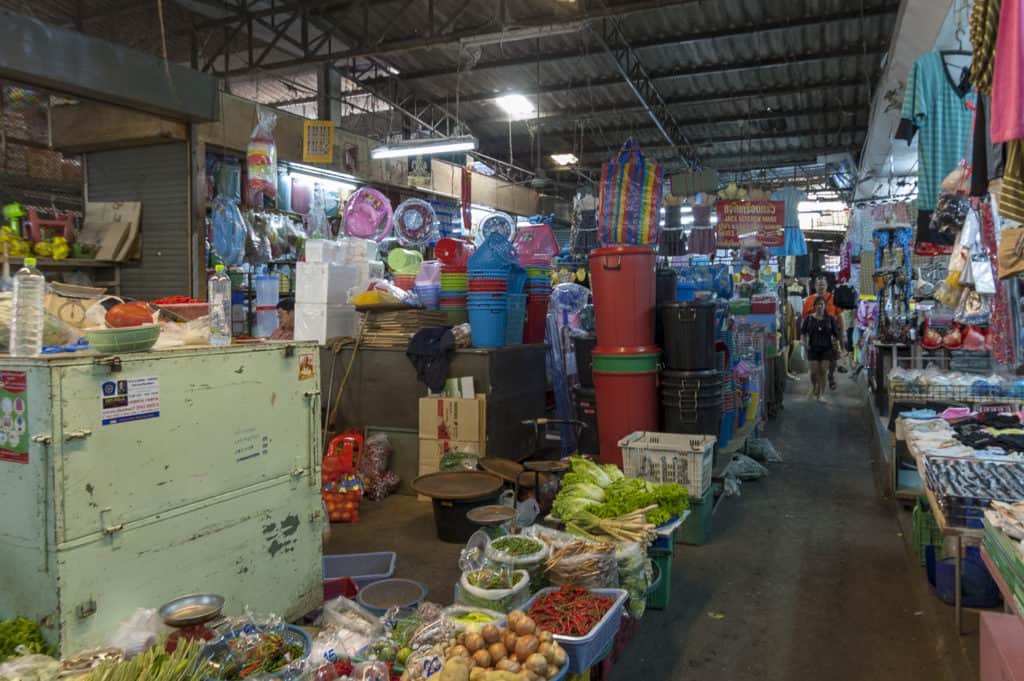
(189, 610)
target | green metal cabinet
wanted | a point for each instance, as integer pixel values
(127, 481)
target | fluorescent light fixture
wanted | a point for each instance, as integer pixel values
(392, 70)
(424, 147)
(564, 159)
(516, 106)
(339, 180)
(515, 34)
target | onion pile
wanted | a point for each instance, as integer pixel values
(519, 648)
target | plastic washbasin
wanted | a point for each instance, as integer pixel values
(586, 651)
(127, 339)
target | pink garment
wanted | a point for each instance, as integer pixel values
(1008, 77)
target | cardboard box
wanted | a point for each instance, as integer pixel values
(431, 452)
(447, 418)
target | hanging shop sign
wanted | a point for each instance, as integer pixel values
(317, 142)
(750, 223)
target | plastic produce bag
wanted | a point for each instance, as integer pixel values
(378, 481)
(745, 468)
(139, 632)
(30, 668)
(261, 159)
(494, 588)
(634, 576)
(586, 564)
(55, 332)
(762, 449)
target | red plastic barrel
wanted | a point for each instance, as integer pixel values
(622, 279)
(626, 402)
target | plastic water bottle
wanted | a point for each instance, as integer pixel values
(28, 313)
(219, 295)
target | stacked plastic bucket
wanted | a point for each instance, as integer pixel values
(453, 255)
(625, 361)
(691, 384)
(487, 304)
(538, 294)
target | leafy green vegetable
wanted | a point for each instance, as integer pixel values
(591, 470)
(21, 631)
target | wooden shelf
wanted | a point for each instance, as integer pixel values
(70, 263)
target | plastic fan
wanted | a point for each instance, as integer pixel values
(415, 222)
(368, 214)
(502, 223)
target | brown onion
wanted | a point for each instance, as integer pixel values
(491, 633)
(526, 646)
(536, 664)
(474, 642)
(525, 626)
(497, 651)
(482, 658)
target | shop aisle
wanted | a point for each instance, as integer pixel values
(806, 576)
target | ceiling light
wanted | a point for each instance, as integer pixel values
(424, 147)
(564, 159)
(393, 71)
(516, 106)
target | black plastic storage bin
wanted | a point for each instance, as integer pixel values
(584, 346)
(585, 402)
(450, 517)
(689, 335)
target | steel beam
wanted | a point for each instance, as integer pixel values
(490, 26)
(636, 76)
(630, 107)
(690, 72)
(889, 7)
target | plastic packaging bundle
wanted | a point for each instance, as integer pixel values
(347, 629)
(378, 481)
(261, 159)
(634, 575)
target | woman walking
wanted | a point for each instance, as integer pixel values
(820, 335)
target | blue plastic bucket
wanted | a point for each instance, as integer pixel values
(516, 319)
(488, 326)
(728, 427)
(978, 589)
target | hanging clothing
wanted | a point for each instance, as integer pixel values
(791, 197)
(1011, 194)
(1008, 75)
(984, 24)
(987, 162)
(702, 241)
(937, 107)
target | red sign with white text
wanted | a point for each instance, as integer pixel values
(750, 223)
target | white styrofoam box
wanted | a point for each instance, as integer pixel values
(322, 282)
(322, 250)
(319, 322)
(376, 269)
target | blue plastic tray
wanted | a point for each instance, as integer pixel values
(586, 651)
(362, 568)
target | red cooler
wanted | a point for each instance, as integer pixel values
(622, 279)
(626, 402)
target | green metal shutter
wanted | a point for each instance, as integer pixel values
(158, 177)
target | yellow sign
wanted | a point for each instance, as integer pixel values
(317, 142)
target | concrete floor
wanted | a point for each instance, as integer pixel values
(808, 575)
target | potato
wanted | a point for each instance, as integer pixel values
(455, 669)
(482, 658)
(497, 651)
(524, 626)
(526, 646)
(474, 642)
(491, 633)
(476, 672)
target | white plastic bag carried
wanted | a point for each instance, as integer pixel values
(138, 633)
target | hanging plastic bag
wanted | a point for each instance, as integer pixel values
(630, 200)
(229, 230)
(261, 159)
(138, 633)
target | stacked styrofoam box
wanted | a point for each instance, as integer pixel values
(323, 283)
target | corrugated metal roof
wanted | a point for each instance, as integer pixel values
(748, 81)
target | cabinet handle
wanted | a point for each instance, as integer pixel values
(314, 435)
(77, 434)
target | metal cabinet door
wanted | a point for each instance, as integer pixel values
(260, 548)
(227, 419)
(26, 523)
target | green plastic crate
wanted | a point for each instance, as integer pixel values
(696, 529)
(925, 531)
(658, 599)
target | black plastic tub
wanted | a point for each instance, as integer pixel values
(585, 402)
(450, 518)
(689, 330)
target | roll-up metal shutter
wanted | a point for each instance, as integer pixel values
(158, 176)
